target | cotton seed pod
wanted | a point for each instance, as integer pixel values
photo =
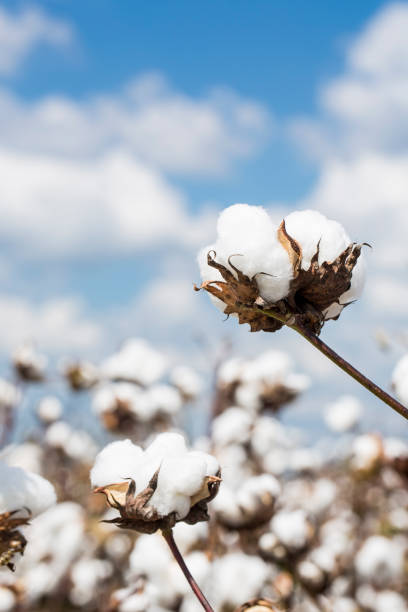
(12, 542)
(302, 276)
(259, 605)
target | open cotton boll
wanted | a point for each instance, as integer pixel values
(232, 426)
(8, 599)
(343, 414)
(118, 460)
(292, 528)
(164, 399)
(9, 394)
(187, 381)
(386, 601)
(136, 361)
(380, 560)
(168, 482)
(310, 228)
(107, 396)
(168, 444)
(400, 379)
(237, 577)
(28, 456)
(49, 409)
(20, 489)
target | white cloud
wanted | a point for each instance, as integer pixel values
(20, 33)
(388, 296)
(366, 108)
(158, 125)
(112, 204)
(55, 325)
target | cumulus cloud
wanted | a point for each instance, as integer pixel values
(159, 126)
(20, 33)
(55, 325)
(366, 108)
(109, 205)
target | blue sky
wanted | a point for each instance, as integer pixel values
(125, 126)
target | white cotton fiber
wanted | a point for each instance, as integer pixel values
(247, 235)
(181, 474)
(115, 462)
(343, 414)
(20, 489)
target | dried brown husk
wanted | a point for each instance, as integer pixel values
(12, 541)
(310, 294)
(138, 515)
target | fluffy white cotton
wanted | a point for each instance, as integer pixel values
(400, 379)
(367, 450)
(187, 381)
(292, 528)
(237, 577)
(49, 409)
(75, 443)
(237, 505)
(56, 538)
(136, 361)
(86, 576)
(20, 489)
(386, 601)
(27, 357)
(248, 236)
(28, 456)
(182, 472)
(380, 560)
(9, 394)
(8, 599)
(115, 462)
(232, 426)
(395, 448)
(310, 229)
(343, 414)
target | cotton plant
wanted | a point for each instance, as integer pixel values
(155, 488)
(266, 383)
(300, 274)
(23, 496)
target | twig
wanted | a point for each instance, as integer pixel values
(168, 536)
(342, 363)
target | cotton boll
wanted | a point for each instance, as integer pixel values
(211, 464)
(86, 575)
(165, 399)
(367, 450)
(344, 604)
(310, 228)
(28, 456)
(115, 462)
(136, 361)
(7, 600)
(187, 381)
(230, 371)
(380, 560)
(107, 397)
(20, 489)
(9, 394)
(49, 409)
(233, 425)
(257, 487)
(237, 578)
(343, 414)
(400, 379)
(292, 528)
(244, 223)
(58, 434)
(189, 536)
(390, 600)
(166, 445)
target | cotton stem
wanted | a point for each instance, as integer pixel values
(168, 536)
(343, 364)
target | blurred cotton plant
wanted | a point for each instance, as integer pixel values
(164, 484)
(301, 273)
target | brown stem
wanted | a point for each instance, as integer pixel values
(344, 365)
(168, 536)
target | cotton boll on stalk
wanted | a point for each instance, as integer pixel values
(381, 560)
(136, 361)
(166, 482)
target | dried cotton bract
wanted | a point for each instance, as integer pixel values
(155, 488)
(304, 271)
